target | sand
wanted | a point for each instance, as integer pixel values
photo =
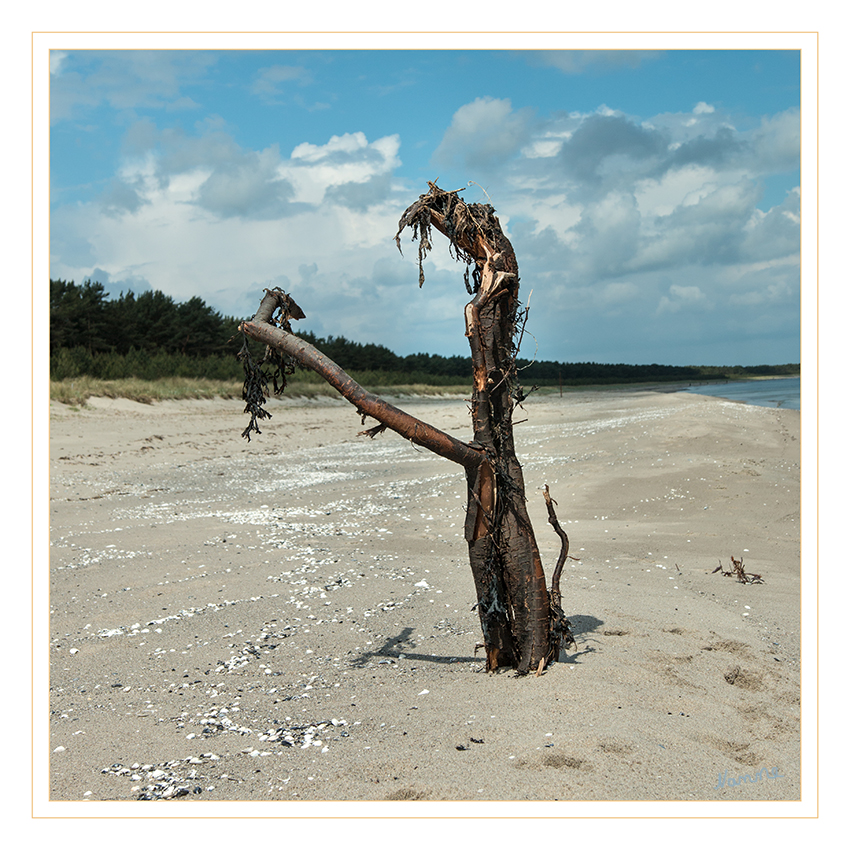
(292, 619)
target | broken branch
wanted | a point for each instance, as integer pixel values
(409, 427)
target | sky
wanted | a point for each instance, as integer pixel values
(652, 196)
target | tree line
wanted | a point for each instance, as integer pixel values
(151, 336)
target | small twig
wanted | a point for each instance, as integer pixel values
(524, 320)
(372, 432)
(473, 183)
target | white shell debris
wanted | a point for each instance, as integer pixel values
(217, 721)
(163, 782)
(181, 778)
(304, 736)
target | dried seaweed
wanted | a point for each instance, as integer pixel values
(255, 388)
(255, 391)
(463, 223)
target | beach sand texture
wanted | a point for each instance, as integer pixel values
(292, 619)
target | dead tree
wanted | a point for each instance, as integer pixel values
(522, 620)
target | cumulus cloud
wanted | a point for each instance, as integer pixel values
(348, 169)
(248, 185)
(608, 236)
(627, 227)
(775, 234)
(655, 193)
(717, 150)
(360, 195)
(121, 198)
(776, 142)
(484, 133)
(203, 215)
(604, 148)
(211, 171)
(619, 219)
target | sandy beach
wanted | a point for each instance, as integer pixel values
(292, 619)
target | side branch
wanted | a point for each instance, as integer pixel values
(565, 546)
(367, 403)
(560, 625)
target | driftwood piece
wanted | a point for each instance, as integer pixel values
(522, 622)
(738, 571)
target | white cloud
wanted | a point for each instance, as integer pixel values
(204, 216)
(681, 297)
(347, 160)
(618, 222)
(684, 186)
(223, 178)
(709, 231)
(57, 59)
(775, 234)
(542, 148)
(776, 143)
(248, 186)
(484, 133)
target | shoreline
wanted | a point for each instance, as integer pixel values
(290, 619)
(146, 392)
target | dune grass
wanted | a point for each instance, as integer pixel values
(77, 391)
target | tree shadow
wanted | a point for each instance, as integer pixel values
(395, 646)
(582, 626)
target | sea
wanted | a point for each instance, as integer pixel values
(772, 392)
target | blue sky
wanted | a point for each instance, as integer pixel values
(652, 197)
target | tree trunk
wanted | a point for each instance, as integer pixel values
(523, 624)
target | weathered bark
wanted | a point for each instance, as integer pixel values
(513, 602)
(522, 624)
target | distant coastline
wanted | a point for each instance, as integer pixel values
(762, 392)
